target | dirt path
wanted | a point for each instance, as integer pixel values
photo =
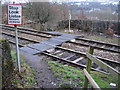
(46, 79)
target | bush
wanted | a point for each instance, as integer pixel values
(89, 25)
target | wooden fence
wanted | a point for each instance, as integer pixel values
(102, 64)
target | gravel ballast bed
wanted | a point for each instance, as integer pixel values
(100, 53)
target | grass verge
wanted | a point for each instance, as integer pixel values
(75, 76)
(103, 39)
(24, 79)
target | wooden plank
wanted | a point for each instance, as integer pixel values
(69, 56)
(61, 54)
(78, 59)
(94, 44)
(58, 52)
(94, 84)
(104, 66)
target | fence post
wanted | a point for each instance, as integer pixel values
(88, 67)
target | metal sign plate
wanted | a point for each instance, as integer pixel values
(14, 14)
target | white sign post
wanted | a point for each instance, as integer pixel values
(69, 20)
(15, 18)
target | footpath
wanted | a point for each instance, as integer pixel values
(46, 78)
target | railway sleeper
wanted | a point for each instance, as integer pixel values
(75, 58)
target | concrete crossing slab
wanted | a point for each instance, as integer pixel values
(29, 50)
(66, 37)
(40, 46)
(66, 34)
(60, 39)
(50, 43)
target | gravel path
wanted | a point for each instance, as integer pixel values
(46, 78)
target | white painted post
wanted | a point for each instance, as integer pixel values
(69, 20)
(17, 48)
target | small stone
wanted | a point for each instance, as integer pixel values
(66, 65)
(73, 40)
(53, 83)
(40, 71)
(49, 68)
(43, 80)
(66, 85)
(112, 85)
(23, 69)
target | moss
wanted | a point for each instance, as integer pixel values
(7, 63)
(6, 51)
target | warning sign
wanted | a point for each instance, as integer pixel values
(14, 14)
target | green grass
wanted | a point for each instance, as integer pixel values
(104, 39)
(76, 76)
(26, 78)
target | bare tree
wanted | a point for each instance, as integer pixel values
(40, 12)
(4, 13)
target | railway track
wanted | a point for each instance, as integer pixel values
(21, 29)
(26, 32)
(85, 42)
(68, 55)
(78, 41)
(97, 44)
